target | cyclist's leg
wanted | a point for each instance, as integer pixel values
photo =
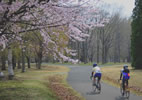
(99, 77)
(123, 84)
(94, 79)
(126, 83)
(127, 89)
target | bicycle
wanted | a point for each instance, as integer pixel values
(125, 93)
(96, 87)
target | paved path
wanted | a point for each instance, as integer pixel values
(79, 79)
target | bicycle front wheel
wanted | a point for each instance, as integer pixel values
(121, 89)
(127, 94)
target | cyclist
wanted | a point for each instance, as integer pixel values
(125, 76)
(96, 72)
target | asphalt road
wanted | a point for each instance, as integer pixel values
(79, 79)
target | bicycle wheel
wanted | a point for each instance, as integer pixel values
(93, 86)
(127, 94)
(99, 87)
(94, 89)
(121, 89)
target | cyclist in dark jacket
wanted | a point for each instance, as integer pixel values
(125, 76)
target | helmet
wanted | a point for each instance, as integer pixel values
(94, 65)
(125, 66)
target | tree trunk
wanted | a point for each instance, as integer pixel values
(19, 64)
(119, 53)
(103, 55)
(103, 49)
(115, 55)
(23, 60)
(10, 68)
(84, 52)
(39, 59)
(98, 47)
(13, 61)
(129, 54)
(3, 59)
(39, 64)
(28, 61)
(36, 61)
(78, 50)
(106, 54)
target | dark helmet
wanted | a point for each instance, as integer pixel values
(94, 65)
(125, 66)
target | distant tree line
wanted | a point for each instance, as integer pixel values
(110, 43)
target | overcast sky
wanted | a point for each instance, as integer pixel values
(124, 6)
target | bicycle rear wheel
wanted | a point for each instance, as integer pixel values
(93, 86)
(99, 87)
(96, 88)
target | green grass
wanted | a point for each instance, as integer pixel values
(36, 84)
(25, 90)
(31, 85)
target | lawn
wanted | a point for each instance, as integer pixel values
(37, 85)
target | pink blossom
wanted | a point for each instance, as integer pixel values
(70, 16)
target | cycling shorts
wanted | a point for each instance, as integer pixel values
(98, 75)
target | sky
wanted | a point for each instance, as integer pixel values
(125, 7)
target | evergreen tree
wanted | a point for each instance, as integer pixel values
(136, 38)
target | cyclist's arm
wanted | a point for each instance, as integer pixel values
(93, 70)
(120, 75)
(92, 74)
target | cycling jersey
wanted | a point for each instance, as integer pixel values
(97, 72)
(96, 69)
(125, 74)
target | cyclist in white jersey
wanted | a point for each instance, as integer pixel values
(96, 72)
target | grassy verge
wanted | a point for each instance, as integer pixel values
(112, 74)
(86, 64)
(36, 84)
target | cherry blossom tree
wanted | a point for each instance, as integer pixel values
(17, 17)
